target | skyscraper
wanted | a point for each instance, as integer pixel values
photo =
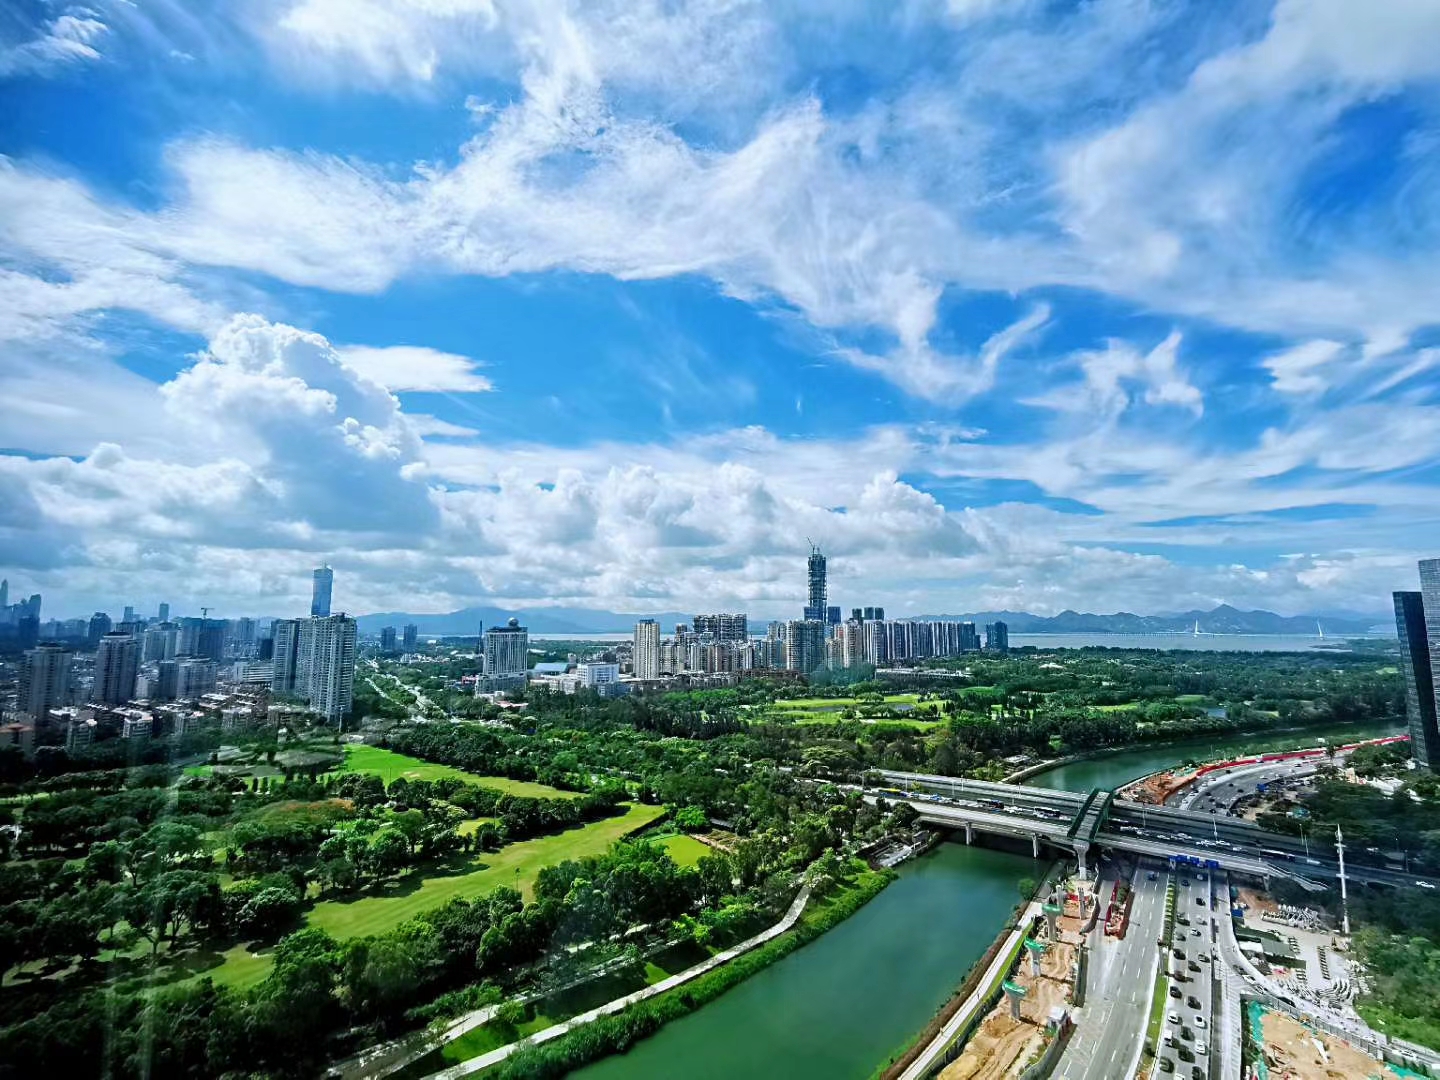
(408, 639)
(723, 627)
(804, 645)
(4, 592)
(202, 637)
(116, 659)
(286, 634)
(327, 656)
(100, 625)
(44, 680)
(129, 615)
(314, 659)
(507, 650)
(645, 654)
(164, 613)
(320, 592)
(1417, 662)
(815, 574)
(387, 639)
(997, 636)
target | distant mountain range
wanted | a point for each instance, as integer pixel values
(547, 620)
(1222, 620)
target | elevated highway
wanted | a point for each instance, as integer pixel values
(1076, 822)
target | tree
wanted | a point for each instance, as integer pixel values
(1026, 887)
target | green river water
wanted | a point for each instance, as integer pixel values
(837, 1008)
(1113, 770)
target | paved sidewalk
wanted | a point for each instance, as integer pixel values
(494, 1057)
(922, 1065)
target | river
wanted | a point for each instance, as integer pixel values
(838, 1007)
(1112, 770)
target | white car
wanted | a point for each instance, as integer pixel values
(1174, 1017)
(1199, 1021)
(1424, 884)
(1201, 1049)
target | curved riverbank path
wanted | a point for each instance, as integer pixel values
(494, 1057)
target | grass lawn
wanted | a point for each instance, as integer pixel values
(388, 765)
(1191, 699)
(465, 828)
(1116, 708)
(515, 864)
(812, 704)
(685, 850)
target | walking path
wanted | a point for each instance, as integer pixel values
(926, 1061)
(494, 1057)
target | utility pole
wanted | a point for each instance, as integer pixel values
(1344, 899)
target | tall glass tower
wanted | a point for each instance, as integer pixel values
(320, 592)
(815, 570)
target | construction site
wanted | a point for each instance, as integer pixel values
(1293, 1051)
(1033, 1006)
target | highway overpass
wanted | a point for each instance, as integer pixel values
(1076, 822)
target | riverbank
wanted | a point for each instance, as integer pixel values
(607, 1031)
(963, 1011)
(1114, 766)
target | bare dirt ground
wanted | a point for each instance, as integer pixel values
(1001, 1047)
(1293, 1054)
(1157, 787)
(1257, 902)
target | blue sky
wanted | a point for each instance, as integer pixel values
(1125, 304)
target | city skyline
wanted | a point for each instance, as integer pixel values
(1091, 307)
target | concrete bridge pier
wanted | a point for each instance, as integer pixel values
(969, 833)
(1082, 848)
(1035, 845)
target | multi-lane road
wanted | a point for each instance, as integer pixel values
(1188, 1034)
(1119, 984)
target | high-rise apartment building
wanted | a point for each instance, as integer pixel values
(804, 645)
(100, 625)
(44, 680)
(158, 643)
(117, 658)
(723, 627)
(645, 649)
(815, 609)
(387, 639)
(164, 613)
(997, 636)
(320, 592)
(314, 659)
(193, 676)
(507, 650)
(129, 615)
(4, 592)
(202, 637)
(409, 638)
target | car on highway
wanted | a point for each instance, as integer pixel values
(1193, 1001)
(1166, 1065)
(1186, 1033)
(1173, 1016)
(1175, 993)
(1184, 1054)
(1150, 876)
(1204, 958)
(1201, 1049)
(1197, 1073)
(1424, 884)
(1200, 900)
(1178, 953)
(1199, 1021)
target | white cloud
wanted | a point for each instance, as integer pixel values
(1301, 370)
(415, 367)
(63, 41)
